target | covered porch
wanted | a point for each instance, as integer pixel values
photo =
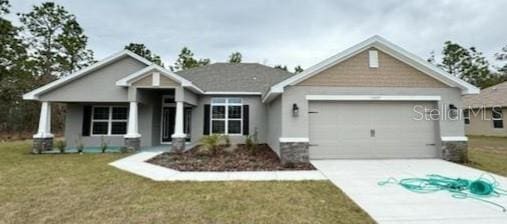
(157, 112)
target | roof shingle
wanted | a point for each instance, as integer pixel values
(240, 77)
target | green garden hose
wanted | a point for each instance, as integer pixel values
(478, 189)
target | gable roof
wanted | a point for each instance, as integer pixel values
(386, 47)
(241, 78)
(489, 97)
(34, 94)
(127, 81)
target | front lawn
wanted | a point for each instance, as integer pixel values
(75, 188)
(488, 153)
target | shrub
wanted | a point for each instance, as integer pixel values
(227, 141)
(250, 144)
(103, 144)
(211, 143)
(60, 145)
(125, 149)
(79, 144)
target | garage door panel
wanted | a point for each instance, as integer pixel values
(344, 130)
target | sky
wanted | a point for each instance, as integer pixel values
(283, 32)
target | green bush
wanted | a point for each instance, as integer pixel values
(211, 143)
(60, 145)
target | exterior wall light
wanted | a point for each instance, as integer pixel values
(295, 110)
(453, 111)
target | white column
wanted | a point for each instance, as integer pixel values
(178, 124)
(44, 130)
(132, 131)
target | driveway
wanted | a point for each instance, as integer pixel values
(394, 204)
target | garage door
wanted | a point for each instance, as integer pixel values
(370, 130)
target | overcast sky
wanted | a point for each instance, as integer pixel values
(284, 32)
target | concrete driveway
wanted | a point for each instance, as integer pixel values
(394, 204)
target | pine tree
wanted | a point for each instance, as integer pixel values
(235, 58)
(143, 51)
(186, 61)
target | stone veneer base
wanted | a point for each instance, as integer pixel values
(455, 151)
(133, 143)
(294, 152)
(42, 144)
(178, 144)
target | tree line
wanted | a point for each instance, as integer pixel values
(49, 44)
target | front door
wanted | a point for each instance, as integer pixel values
(168, 115)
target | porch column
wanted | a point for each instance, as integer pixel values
(133, 138)
(178, 138)
(43, 140)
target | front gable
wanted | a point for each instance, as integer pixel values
(154, 79)
(356, 72)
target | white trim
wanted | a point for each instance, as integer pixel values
(226, 118)
(373, 59)
(109, 120)
(454, 138)
(232, 93)
(34, 94)
(283, 139)
(387, 47)
(155, 79)
(129, 79)
(372, 98)
(44, 130)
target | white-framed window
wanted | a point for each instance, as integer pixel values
(226, 116)
(109, 120)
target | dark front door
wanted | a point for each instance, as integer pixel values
(168, 115)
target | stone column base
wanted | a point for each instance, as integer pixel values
(178, 144)
(294, 152)
(42, 144)
(133, 143)
(455, 151)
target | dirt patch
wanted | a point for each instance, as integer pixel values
(237, 159)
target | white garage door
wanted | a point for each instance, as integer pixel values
(370, 130)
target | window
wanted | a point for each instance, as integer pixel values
(466, 116)
(109, 120)
(226, 116)
(497, 117)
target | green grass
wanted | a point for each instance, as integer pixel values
(488, 153)
(75, 188)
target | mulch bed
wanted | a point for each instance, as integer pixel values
(238, 159)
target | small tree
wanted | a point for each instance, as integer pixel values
(186, 60)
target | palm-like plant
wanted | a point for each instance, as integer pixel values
(212, 142)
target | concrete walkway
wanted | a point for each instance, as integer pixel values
(394, 204)
(136, 164)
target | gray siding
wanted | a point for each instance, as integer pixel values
(298, 126)
(481, 123)
(98, 86)
(258, 118)
(274, 119)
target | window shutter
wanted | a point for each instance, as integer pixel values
(246, 119)
(205, 130)
(87, 118)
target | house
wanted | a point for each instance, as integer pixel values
(360, 103)
(484, 112)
